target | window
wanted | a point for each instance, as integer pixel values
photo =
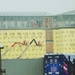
(51, 61)
(55, 61)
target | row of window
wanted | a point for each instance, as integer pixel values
(65, 23)
(25, 23)
(52, 61)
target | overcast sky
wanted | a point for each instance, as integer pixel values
(51, 6)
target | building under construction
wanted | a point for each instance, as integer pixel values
(27, 37)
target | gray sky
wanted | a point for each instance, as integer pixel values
(51, 6)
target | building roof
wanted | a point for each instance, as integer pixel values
(69, 13)
(24, 14)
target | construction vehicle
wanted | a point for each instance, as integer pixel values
(3, 71)
(58, 64)
(24, 43)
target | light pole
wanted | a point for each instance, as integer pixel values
(1, 47)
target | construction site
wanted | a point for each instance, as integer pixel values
(27, 39)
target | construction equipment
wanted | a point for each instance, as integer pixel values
(27, 48)
(58, 64)
(24, 43)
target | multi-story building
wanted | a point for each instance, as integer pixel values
(56, 33)
(21, 27)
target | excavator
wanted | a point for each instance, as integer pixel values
(3, 71)
(24, 43)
